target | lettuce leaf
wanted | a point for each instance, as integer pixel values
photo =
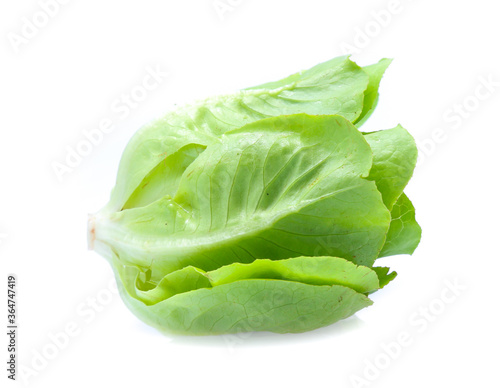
(404, 233)
(370, 101)
(268, 189)
(286, 296)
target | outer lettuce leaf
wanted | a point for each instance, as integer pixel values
(375, 73)
(293, 295)
(334, 87)
(270, 189)
(404, 233)
(394, 159)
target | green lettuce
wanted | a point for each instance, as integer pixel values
(261, 210)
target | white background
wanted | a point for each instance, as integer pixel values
(63, 80)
